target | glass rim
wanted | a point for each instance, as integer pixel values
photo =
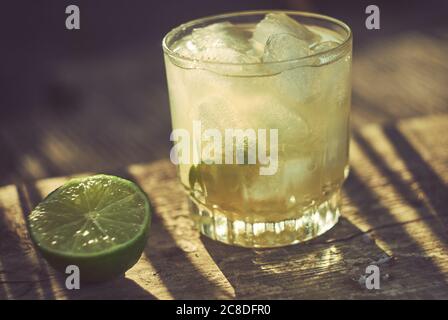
(182, 27)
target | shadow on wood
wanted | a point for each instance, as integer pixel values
(329, 266)
(435, 189)
(324, 268)
(415, 268)
(180, 276)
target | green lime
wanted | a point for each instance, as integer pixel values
(98, 223)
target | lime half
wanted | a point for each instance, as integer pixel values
(98, 223)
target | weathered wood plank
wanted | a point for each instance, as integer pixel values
(395, 203)
(400, 77)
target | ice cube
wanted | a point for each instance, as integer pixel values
(305, 85)
(254, 112)
(267, 112)
(283, 47)
(219, 42)
(217, 113)
(278, 23)
(292, 178)
(221, 35)
(262, 111)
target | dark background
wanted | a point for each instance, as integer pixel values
(95, 99)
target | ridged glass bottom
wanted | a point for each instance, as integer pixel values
(216, 225)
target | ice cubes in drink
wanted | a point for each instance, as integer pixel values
(220, 42)
(275, 38)
(280, 23)
(283, 47)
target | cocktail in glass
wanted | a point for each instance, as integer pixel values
(274, 88)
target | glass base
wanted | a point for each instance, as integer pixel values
(314, 221)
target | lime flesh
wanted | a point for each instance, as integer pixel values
(98, 223)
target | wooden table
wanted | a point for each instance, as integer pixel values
(395, 200)
(395, 214)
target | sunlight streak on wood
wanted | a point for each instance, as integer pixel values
(387, 193)
(183, 234)
(15, 224)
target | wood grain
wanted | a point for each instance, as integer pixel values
(395, 204)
